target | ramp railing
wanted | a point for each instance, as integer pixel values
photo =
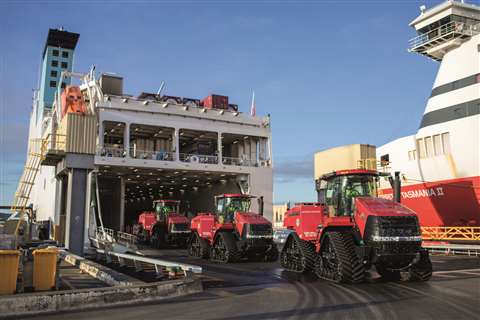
(451, 233)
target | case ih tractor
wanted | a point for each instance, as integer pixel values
(351, 229)
(164, 227)
(232, 233)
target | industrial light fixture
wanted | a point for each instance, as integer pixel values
(125, 100)
(185, 108)
(164, 105)
(221, 112)
(235, 114)
(145, 102)
(203, 110)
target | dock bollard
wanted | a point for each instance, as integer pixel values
(44, 268)
(9, 260)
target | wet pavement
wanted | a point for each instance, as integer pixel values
(264, 291)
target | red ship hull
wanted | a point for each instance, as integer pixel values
(454, 202)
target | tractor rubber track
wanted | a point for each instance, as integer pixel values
(349, 268)
(198, 247)
(230, 250)
(297, 255)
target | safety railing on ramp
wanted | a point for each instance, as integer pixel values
(138, 261)
(451, 233)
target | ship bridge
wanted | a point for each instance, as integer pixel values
(443, 28)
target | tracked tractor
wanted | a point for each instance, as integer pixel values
(351, 230)
(164, 227)
(232, 233)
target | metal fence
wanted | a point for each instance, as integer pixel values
(451, 233)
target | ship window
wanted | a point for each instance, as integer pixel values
(437, 144)
(53, 73)
(55, 53)
(54, 63)
(446, 142)
(385, 159)
(428, 146)
(64, 54)
(53, 84)
(64, 65)
(411, 155)
(421, 148)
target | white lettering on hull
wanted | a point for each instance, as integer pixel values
(419, 193)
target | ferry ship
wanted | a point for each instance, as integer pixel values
(97, 153)
(440, 163)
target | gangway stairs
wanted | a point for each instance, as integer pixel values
(27, 180)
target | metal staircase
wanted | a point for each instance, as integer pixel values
(25, 186)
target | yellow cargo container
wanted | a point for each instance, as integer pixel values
(353, 156)
(44, 268)
(79, 132)
(9, 260)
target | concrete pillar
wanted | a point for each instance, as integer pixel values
(176, 141)
(122, 204)
(100, 135)
(126, 140)
(219, 148)
(76, 209)
(88, 225)
(58, 199)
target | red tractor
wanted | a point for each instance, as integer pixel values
(350, 230)
(232, 233)
(164, 227)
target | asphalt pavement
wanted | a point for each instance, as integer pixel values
(244, 291)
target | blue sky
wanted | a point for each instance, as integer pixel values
(329, 72)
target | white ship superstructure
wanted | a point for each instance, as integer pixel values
(441, 162)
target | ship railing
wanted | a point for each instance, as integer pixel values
(105, 234)
(130, 240)
(111, 152)
(447, 31)
(246, 162)
(451, 233)
(152, 155)
(53, 142)
(198, 158)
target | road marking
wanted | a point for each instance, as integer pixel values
(457, 271)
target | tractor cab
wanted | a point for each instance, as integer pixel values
(165, 207)
(227, 204)
(338, 190)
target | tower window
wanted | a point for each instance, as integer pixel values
(64, 85)
(54, 63)
(64, 65)
(64, 54)
(53, 73)
(53, 84)
(55, 53)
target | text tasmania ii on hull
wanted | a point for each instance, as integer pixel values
(93, 141)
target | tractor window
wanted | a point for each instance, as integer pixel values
(165, 208)
(341, 191)
(227, 207)
(356, 186)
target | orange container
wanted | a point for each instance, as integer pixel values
(9, 271)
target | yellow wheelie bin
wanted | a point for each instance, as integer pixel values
(9, 260)
(44, 268)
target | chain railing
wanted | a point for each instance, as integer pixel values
(451, 233)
